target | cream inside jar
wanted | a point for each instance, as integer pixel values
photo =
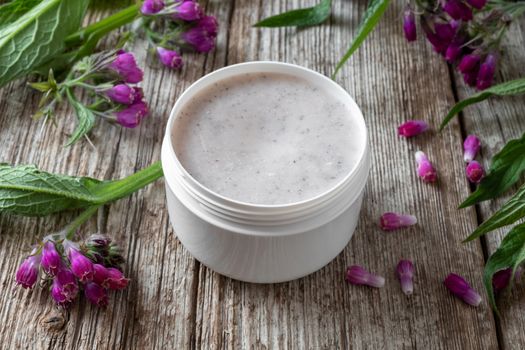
(267, 138)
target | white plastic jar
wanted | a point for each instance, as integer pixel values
(256, 242)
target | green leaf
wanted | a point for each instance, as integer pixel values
(85, 117)
(513, 87)
(372, 15)
(25, 190)
(506, 169)
(299, 18)
(37, 36)
(12, 10)
(511, 253)
(509, 213)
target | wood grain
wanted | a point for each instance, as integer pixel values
(497, 121)
(174, 302)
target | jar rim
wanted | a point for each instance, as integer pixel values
(208, 194)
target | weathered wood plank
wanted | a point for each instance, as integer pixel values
(392, 82)
(497, 121)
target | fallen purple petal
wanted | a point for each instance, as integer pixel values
(412, 128)
(359, 276)
(458, 286)
(425, 169)
(475, 172)
(405, 273)
(471, 147)
(392, 221)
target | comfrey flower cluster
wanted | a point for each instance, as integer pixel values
(466, 32)
(187, 28)
(69, 268)
(110, 79)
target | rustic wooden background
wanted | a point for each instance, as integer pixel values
(174, 302)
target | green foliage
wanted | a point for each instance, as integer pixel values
(299, 18)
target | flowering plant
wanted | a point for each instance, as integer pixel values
(65, 54)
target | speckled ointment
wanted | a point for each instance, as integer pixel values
(265, 165)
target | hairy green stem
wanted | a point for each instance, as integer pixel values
(71, 229)
(104, 26)
(114, 190)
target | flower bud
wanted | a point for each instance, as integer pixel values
(475, 172)
(98, 241)
(462, 289)
(425, 170)
(202, 36)
(100, 274)
(150, 7)
(486, 72)
(51, 259)
(469, 63)
(501, 279)
(457, 9)
(131, 116)
(169, 58)
(96, 294)
(471, 147)
(121, 93)
(359, 276)
(27, 273)
(405, 273)
(115, 279)
(65, 287)
(445, 31)
(409, 24)
(81, 266)
(412, 128)
(126, 67)
(188, 10)
(392, 221)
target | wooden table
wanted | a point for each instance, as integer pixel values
(174, 302)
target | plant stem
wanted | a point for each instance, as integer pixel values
(114, 190)
(104, 26)
(71, 229)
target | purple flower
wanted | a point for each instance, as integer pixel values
(126, 67)
(96, 294)
(486, 72)
(392, 221)
(475, 172)
(454, 49)
(457, 9)
(188, 10)
(121, 93)
(445, 31)
(169, 58)
(462, 289)
(469, 63)
(477, 4)
(501, 279)
(115, 279)
(150, 7)
(440, 45)
(65, 287)
(405, 273)
(470, 78)
(409, 24)
(202, 36)
(81, 266)
(51, 260)
(412, 128)
(425, 170)
(471, 148)
(358, 275)
(100, 274)
(131, 116)
(27, 273)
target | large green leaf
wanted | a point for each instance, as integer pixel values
(301, 17)
(506, 169)
(513, 87)
(25, 190)
(37, 36)
(508, 214)
(372, 15)
(511, 253)
(11, 11)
